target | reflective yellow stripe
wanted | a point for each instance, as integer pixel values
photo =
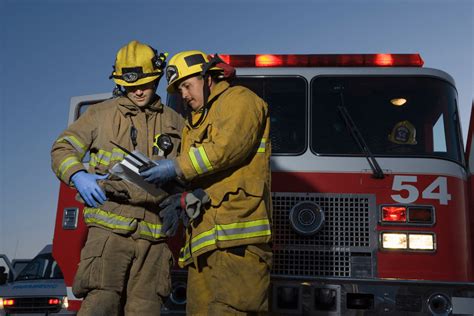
(107, 224)
(261, 148)
(109, 220)
(200, 160)
(66, 164)
(243, 230)
(203, 240)
(152, 230)
(105, 157)
(184, 254)
(114, 221)
(80, 147)
(225, 232)
(117, 154)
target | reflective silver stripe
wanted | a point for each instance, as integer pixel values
(200, 160)
(203, 240)
(184, 254)
(117, 154)
(66, 164)
(200, 241)
(109, 220)
(81, 148)
(243, 232)
(151, 230)
(105, 157)
(261, 148)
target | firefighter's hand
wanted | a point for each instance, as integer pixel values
(86, 185)
(170, 214)
(163, 172)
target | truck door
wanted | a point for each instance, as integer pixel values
(7, 273)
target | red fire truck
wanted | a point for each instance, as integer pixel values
(371, 187)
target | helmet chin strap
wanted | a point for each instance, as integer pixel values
(119, 91)
(206, 91)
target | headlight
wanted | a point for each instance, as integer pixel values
(65, 304)
(394, 241)
(408, 241)
(421, 241)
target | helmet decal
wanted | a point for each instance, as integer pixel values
(194, 60)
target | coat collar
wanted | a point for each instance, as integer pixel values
(216, 90)
(127, 107)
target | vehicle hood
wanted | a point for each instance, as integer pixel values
(33, 288)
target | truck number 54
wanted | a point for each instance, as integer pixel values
(437, 190)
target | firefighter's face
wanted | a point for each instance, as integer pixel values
(191, 91)
(141, 95)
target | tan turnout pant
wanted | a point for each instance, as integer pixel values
(121, 275)
(230, 282)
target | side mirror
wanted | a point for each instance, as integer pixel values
(3, 276)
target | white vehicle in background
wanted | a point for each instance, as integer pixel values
(38, 288)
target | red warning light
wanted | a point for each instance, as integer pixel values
(383, 60)
(394, 214)
(268, 61)
(225, 58)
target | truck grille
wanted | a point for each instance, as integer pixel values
(32, 305)
(344, 247)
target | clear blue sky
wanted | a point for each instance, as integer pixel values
(52, 50)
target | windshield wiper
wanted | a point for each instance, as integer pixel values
(377, 172)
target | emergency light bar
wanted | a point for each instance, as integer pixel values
(325, 60)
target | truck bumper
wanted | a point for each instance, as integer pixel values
(292, 296)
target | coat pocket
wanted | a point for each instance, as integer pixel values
(89, 274)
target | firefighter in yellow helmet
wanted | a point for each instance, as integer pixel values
(225, 151)
(125, 262)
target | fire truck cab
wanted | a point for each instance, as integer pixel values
(371, 187)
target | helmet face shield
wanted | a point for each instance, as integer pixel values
(137, 64)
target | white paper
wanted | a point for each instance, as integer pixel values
(128, 168)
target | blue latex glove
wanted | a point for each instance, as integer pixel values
(163, 172)
(86, 184)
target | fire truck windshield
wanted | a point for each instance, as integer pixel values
(397, 116)
(43, 266)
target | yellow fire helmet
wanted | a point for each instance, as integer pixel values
(186, 64)
(137, 64)
(403, 133)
